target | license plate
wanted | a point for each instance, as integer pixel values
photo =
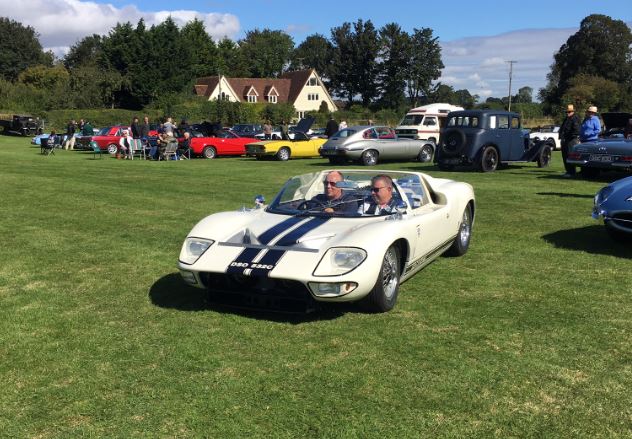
(600, 158)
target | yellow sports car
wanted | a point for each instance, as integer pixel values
(300, 146)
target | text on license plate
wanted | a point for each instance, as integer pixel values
(600, 158)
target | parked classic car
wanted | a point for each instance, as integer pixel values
(23, 125)
(247, 129)
(223, 143)
(107, 139)
(548, 133)
(613, 203)
(485, 138)
(299, 144)
(602, 154)
(294, 253)
(369, 144)
(615, 123)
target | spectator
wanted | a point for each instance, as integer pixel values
(591, 127)
(267, 130)
(70, 135)
(125, 145)
(144, 128)
(136, 128)
(184, 148)
(52, 139)
(169, 126)
(81, 125)
(569, 137)
(332, 126)
(285, 130)
(343, 125)
(87, 129)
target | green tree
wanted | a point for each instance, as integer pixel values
(20, 49)
(315, 53)
(199, 50)
(230, 59)
(44, 77)
(268, 52)
(601, 47)
(394, 52)
(425, 64)
(86, 52)
(524, 96)
(354, 66)
(465, 99)
(585, 90)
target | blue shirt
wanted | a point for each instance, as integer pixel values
(590, 129)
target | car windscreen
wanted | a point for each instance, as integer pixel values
(412, 119)
(104, 131)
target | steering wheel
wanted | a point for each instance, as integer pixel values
(311, 204)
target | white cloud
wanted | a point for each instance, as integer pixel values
(297, 28)
(61, 23)
(479, 64)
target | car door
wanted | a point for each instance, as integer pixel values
(502, 135)
(517, 139)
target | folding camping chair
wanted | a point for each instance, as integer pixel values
(95, 150)
(47, 148)
(137, 148)
(170, 150)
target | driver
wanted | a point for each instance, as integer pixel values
(333, 199)
(381, 201)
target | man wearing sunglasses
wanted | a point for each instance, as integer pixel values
(569, 137)
(333, 198)
(381, 201)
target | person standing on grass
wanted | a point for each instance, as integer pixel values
(267, 130)
(591, 127)
(70, 135)
(332, 127)
(569, 137)
(135, 126)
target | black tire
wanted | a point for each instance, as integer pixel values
(464, 235)
(453, 142)
(489, 159)
(383, 296)
(544, 158)
(425, 154)
(369, 157)
(209, 152)
(283, 154)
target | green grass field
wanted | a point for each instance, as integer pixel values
(527, 335)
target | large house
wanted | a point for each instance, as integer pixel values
(303, 88)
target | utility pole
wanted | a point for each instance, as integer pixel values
(511, 63)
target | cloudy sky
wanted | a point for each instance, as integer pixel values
(478, 38)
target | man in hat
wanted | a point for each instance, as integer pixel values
(591, 127)
(569, 137)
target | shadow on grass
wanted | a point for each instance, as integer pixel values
(591, 239)
(565, 195)
(171, 292)
(605, 177)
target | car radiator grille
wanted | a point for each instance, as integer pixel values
(260, 293)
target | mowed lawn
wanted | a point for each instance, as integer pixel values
(528, 335)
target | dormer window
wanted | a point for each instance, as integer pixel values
(312, 81)
(252, 99)
(272, 99)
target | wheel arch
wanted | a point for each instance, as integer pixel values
(479, 153)
(403, 248)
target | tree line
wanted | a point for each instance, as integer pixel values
(135, 66)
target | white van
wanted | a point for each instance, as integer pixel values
(425, 122)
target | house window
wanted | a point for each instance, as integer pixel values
(300, 114)
(312, 81)
(312, 97)
(252, 99)
(272, 99)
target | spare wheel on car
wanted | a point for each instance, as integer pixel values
(453, 142)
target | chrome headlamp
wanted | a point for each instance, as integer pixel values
(193, 248)
(340, 260)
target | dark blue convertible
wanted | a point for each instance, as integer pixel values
(613, 203)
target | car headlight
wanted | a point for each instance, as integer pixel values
(340, 260)
(603, 195)
(193, 248)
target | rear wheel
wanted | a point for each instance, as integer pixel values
(283, 154)
(462, 241)
(544, 159)
(383, 296)
(489, 159)
(369, 157)
(209, 152)
(112, 148)
(426, 153)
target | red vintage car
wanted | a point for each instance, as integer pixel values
(223, 143)
(107, 139)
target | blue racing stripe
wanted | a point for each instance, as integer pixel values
(275, 231)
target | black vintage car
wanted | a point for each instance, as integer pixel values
(485, 138)
(23, 125)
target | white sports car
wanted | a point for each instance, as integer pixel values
(293, 254)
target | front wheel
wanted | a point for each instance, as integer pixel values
(383, 296)
(283, 154)
(369, 158)
(544, 159)
(489, 159)
(425, 155)
(112, 148)
(462, 241)
(209, 152)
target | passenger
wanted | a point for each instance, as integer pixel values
(381, 201)
(334, 198)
